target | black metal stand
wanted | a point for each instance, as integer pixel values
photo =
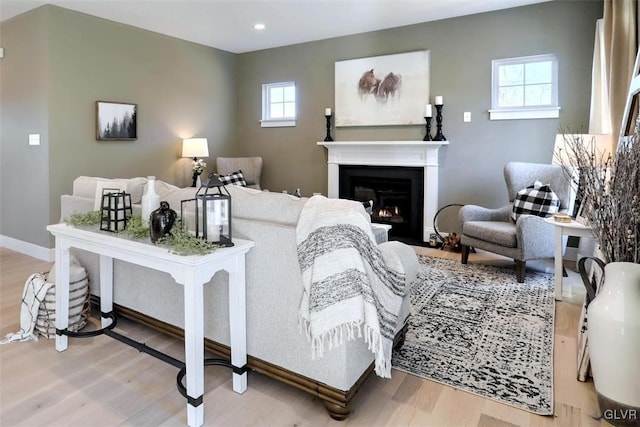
(328, 137)
(439, 136)
(195, 174)
(143, 348)
(427, 136)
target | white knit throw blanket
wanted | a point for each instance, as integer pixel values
(35, 290)
(349, 289)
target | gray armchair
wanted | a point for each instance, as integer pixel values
(529, 237)
(251, 168)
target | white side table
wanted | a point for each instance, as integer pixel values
(190, 272)
(572, 228)
(380, 232)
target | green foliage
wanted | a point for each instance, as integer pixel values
(89, 218)
(181, 242)
(135, 229)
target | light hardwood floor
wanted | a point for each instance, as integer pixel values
(101, 382)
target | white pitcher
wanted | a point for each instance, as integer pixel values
(614, 342)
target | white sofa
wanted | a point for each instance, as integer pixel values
(275, 344)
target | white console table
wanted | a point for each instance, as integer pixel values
(192, 272)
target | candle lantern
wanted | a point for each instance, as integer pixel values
(115, 209)
(211, 212)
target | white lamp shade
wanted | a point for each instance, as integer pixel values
(195, 147)
(602, 144)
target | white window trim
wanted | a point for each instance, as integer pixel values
(528, 112)
(266, 122)
(277, 123)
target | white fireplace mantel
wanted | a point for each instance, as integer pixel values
(422, 154)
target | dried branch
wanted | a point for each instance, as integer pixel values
(610, 189)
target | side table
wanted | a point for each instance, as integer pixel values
(380, 232)
(190, 272)
(573, 228)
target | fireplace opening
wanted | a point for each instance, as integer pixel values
(397, 194)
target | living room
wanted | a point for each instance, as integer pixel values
(57, 63)
(69, 60)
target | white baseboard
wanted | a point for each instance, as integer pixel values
(27, 248)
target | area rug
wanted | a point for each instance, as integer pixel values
(474, 328)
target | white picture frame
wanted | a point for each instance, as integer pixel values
(382, 90)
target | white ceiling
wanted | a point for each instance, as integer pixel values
(228, 24)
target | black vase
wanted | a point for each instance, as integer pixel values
(161, 220)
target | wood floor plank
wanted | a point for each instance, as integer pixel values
(489, 421)
(101, 382)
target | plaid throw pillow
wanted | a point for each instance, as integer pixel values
(536, 199)
(234, 178)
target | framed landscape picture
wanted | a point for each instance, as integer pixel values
(116, 121)
(382, 90)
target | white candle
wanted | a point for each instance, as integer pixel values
(327, 111)
(213, 221)
(213, 229)
(439, 100)
(427, 111)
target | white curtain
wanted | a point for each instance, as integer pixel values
(600, 115)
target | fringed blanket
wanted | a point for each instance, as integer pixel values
(349, 290)
(35, 290)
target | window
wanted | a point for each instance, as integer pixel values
(525, 88)
(278, 104)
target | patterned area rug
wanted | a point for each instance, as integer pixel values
(474, 328)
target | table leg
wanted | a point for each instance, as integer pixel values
(106, 288)
(194, 348)
(238, 322)
(558, 264)
(62, 292)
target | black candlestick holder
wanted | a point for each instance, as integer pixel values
(427, 136)
(328, 137)
(439, 135)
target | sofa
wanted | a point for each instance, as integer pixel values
(276, 345)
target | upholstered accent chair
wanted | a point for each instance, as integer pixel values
(528, 238)
(251, 168)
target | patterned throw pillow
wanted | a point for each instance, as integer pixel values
(536, 199)
(368, 206)
(234, 178)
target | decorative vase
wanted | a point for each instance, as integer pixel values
(614, 342)
(150, 200)
(162, 220)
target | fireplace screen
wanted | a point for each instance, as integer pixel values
(397, 195)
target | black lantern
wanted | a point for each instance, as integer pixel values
(115, 209)
(212, 212)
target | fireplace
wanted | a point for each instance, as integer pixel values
(396, 192)
(422, 155)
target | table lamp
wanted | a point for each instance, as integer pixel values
(194, 148)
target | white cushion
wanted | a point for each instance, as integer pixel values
(117, 184)
(85, 186)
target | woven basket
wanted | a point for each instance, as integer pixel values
(78, 305)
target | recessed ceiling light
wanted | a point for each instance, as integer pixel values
(259, 27)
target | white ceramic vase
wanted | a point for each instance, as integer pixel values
(150, 200)
(614, 342)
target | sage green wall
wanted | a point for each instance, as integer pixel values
(24, 108)
(461, 53)
(181, 89)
